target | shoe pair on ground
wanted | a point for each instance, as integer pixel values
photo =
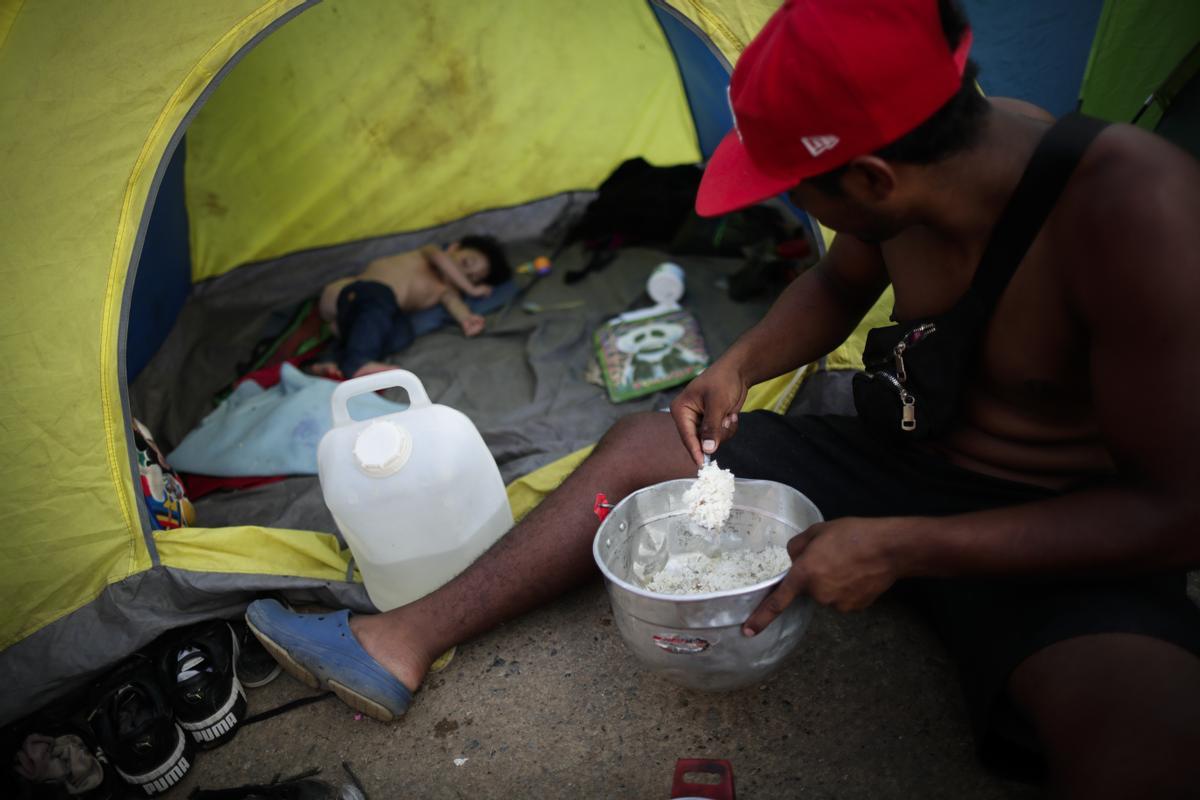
(153, 711)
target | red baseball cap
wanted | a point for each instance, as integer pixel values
(823, 82)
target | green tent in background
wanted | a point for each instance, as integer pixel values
(1139, 45)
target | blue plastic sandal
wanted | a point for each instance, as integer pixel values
(321, 651)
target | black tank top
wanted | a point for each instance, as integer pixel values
(915, 372)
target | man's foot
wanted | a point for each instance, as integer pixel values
(321, 651)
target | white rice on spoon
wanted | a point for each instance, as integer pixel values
(710, 502)
(710, 497)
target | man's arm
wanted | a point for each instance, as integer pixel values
(450, 270)
(1136, 294)
(812, 316)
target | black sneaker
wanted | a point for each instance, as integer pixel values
(197, 670)
(132, 721)
(255, 666)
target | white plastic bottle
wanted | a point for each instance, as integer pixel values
(666, 284)
(416, 494)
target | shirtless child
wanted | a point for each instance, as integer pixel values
(369, 311)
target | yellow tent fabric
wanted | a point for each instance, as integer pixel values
(251, 550)
(96, 94)
(92, 94)
(728, 24)
(370, 117)
(85, 133)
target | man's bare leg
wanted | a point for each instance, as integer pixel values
(547, 553)
(1116, 715)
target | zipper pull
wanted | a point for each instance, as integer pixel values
(908, 414)
(898, 352)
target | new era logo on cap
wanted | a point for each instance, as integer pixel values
(819, 144)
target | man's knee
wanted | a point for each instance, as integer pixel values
(631, 431)
(1116, 713)
(647, 447)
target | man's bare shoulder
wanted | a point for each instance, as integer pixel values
(1128, 238)
(1022, 107)
(1125, 241)
(1134, 198)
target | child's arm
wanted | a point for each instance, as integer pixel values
(449, 268)
(471, 323)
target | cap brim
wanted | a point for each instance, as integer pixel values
(731, 181)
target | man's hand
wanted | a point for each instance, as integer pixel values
(472, 325)
(845, 563)
(705, 412)
(480, 290)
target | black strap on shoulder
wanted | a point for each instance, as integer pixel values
(1048, 171)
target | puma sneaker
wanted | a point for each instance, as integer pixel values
(132, 721)
(197, 670)
(255, 666)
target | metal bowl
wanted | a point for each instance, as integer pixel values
(696, 639)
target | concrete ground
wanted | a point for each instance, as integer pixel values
(554, 706)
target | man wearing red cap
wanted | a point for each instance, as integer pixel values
(1024, 458)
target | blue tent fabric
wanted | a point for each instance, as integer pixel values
(258, 432)
(704, 77)
(1033, 50)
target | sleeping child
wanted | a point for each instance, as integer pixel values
(369, 311)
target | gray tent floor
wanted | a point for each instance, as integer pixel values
(522, 382)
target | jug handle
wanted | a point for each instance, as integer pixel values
(390, 379)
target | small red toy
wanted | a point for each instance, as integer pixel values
(710, 778)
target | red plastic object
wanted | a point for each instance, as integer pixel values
(718, 774)
(601, 507)
(793, 248)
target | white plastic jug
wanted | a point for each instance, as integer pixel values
(416, 494)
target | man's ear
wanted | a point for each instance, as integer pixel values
(869, 179)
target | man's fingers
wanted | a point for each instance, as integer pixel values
(686, 419)
(797, 543)
(713, 430)
(791, 587)
(701, 420)
(729, 426)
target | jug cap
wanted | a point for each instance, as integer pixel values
(382, 448)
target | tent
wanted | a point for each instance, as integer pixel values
(290, 109)
(284, 103)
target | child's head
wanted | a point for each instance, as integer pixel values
(483, 260)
